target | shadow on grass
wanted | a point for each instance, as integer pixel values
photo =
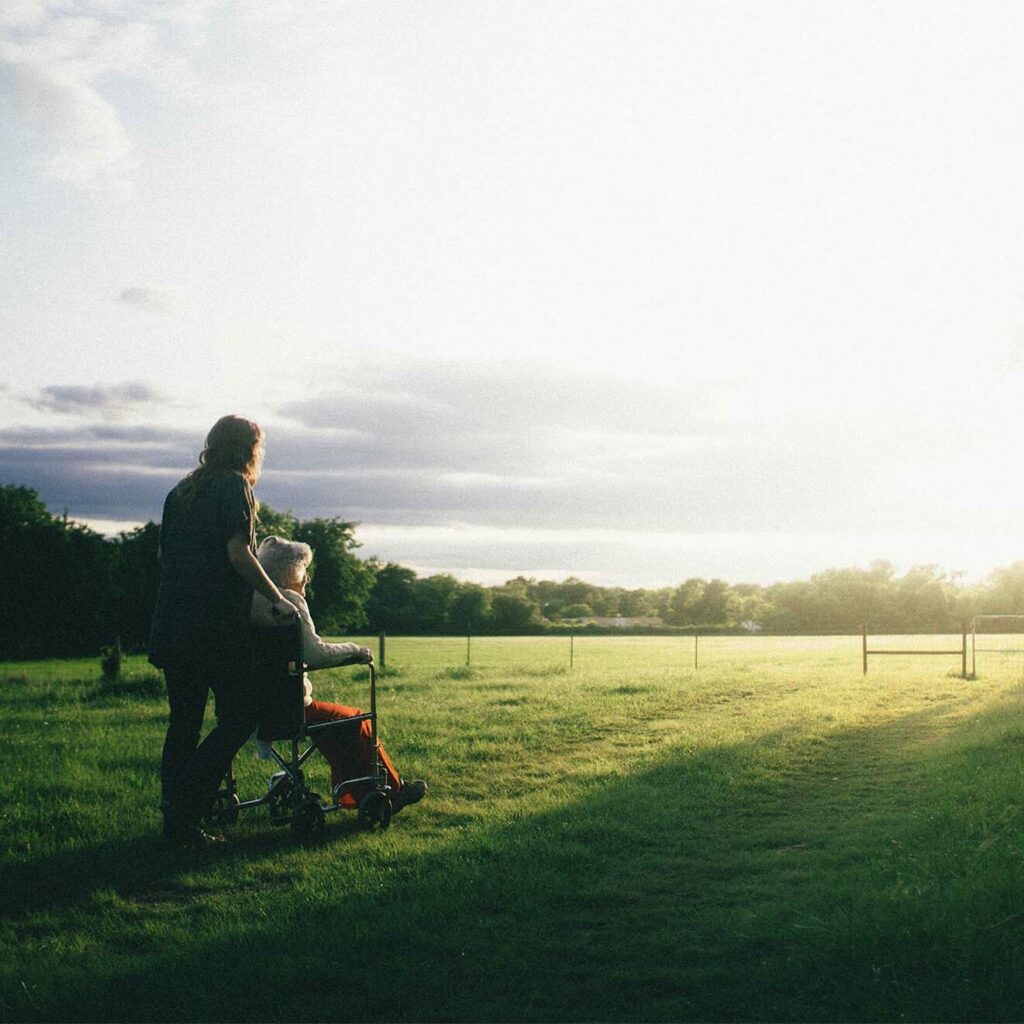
(144, 685)
(142, 865)
(856, 876)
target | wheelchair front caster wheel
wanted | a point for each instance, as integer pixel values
(308, 821)
(375, 810)
(224, 811)
(281, 799)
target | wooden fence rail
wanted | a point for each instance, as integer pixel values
(962, 650)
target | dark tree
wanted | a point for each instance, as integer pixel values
(136, 578)
(683, 603)
(433, 598)
(717, 604)
(513, 610)
(469, 608)
(270, 523)
(391, 605)
(58, 597)
(341, 583)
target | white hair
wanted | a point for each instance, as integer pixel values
(283, 560)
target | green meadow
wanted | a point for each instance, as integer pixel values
(771, 836)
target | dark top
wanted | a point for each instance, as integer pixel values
(203, 605)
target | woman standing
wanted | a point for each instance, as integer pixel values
(200, 633)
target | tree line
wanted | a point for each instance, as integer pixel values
(70, 590)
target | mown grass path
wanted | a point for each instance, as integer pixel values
(771, 837)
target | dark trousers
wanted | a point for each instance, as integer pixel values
(190, 771)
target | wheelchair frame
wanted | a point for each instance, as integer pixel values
(288, 798)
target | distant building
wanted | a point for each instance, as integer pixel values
(620, 621)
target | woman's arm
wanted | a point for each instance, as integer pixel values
(244, 562)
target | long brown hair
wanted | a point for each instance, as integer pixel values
(234, 444)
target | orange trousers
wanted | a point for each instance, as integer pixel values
(349, 751)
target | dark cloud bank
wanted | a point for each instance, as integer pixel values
(489, 444)
(98, 400)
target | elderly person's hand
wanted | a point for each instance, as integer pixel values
(364, 657)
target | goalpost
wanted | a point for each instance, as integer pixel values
(1000, 634)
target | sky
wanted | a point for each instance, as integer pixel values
(633, 291)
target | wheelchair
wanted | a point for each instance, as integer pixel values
(278, 672)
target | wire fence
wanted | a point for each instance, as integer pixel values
(580, 652)
(679, 653)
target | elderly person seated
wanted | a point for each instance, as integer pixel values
(349, 752)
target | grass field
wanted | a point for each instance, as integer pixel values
(770, 837)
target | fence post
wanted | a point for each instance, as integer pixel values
(110, 660)
(469, 633)
(572, 645)
(963, 650)
(696, 636)
(974, 649)
(380, 649)
(864, 645)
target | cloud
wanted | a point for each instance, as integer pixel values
(21, 13)
(105, 400)
(101, 471)
(57, 66)
(87, 142)
(504, 443)
(501, 420)
(516, 446)
(503, 394)
(153, 298)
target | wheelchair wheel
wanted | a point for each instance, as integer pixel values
(224, 811)
(280, 800)
(375, 810)
(308, 821)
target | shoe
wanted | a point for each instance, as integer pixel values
(275, 780)
(409, 792)
(191, 837)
